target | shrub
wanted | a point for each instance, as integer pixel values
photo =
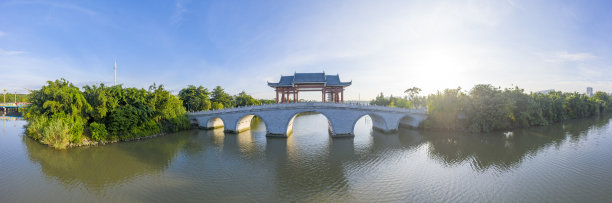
(98, 131)
(76, 124)
(56, 134)
(35, 127)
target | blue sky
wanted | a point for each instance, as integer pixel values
(385, 46)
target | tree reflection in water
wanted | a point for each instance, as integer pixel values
(97, 166)
(309, 166)
(504, 152)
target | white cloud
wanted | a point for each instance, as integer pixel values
(9, 53)
(565, 56)
(179, 10)
(574, 56)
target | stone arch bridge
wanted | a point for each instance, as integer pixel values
(278, 118)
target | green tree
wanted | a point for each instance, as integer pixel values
(220, 96)
(488, 108)
(216, 106)
(413, 96)
(603, 100)
(447, 110)
(243, 99)
(380, 100)
(58, 114)
(195, 98)
(98, 131)
(266, 101)
(58, 97)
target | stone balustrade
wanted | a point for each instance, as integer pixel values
(278, 118)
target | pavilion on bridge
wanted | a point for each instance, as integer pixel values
(288, 87)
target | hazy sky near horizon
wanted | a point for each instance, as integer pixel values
(382, 46)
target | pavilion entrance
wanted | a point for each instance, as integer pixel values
(288, 88)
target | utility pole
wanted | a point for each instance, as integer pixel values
(15, 96)
(4, 96)
(115, 81)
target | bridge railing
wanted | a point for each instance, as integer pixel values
(310, 104)
(14, 105)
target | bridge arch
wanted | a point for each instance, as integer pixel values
(378, 122)
(214, 122)
(278, 118)
(244, 122)
(289, 123)
(411, 121)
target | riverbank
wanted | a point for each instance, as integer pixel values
(61, 115)
(87, 142)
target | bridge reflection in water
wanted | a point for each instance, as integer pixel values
(306, 166)
(9, 117)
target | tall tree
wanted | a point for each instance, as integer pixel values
(195, 98)
(243, 99)
(413, 92)
(221, 97)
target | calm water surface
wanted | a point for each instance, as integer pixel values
(570, 162)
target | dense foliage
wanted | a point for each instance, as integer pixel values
(60, 113)
(380, 100)
(487, 108)
(9, 97)
(57, 114)
(200, 99)
(195, 98)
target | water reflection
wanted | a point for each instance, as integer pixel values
(95, 167)
(307, 166)
(504, 152)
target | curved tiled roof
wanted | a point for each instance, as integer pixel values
(309, 78)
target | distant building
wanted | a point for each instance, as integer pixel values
(545, 91)
(589, 91)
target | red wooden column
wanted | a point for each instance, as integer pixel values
(283, 96)
(277, 95)
(342, 95)
(297, 96)
(337, 97)
(333, 96)
(323, 95)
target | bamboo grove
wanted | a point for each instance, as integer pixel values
(487, 108)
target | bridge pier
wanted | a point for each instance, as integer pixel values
(279, 124)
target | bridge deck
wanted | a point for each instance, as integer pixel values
(309, 105)
(278, 118)
(14, 105)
